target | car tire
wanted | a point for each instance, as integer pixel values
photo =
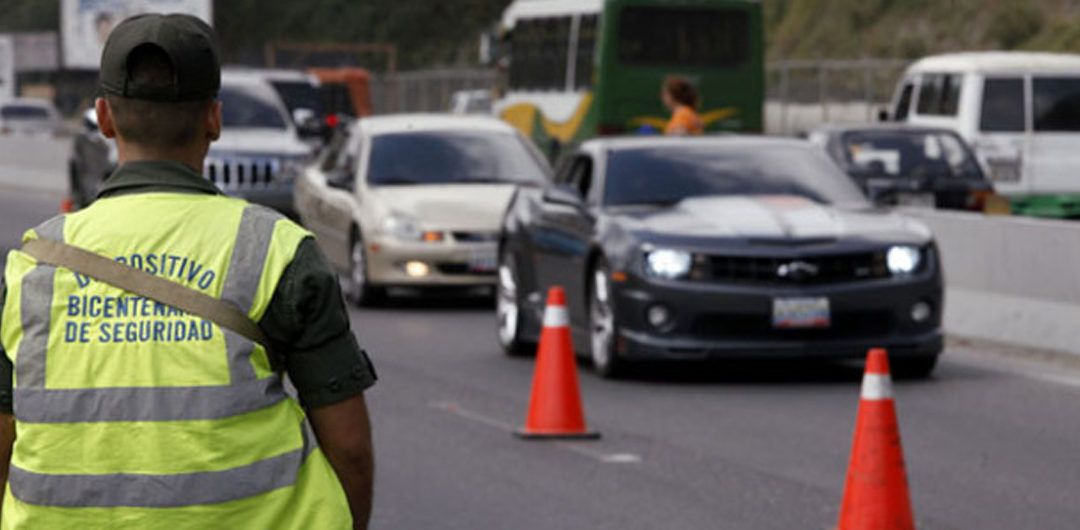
(361, 292)
(603, 324)
(913, 367)
(509, 310)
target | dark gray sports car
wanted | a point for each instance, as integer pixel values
(724, 247)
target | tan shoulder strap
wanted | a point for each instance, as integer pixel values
(145, 284)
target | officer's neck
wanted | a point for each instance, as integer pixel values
(191, 156)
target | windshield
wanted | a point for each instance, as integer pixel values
(23, 112)
(909, 154)
(299, 95)
(1057, 103)
(683, 36)
(243, 108)
(452, 158)
(668, 174)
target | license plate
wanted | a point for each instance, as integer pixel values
(801, 313)
(916, 200)
(483, 261)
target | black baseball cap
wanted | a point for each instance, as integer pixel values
(190, 44)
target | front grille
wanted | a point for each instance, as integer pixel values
(476, 237)
(792, 270)
(843, 325)
(243, 173)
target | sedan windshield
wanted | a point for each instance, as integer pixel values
(452, 158)
(669, 174)
(245, 109)
(909, 154)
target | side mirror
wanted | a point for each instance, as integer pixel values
(563, 195)
(307, 122)
(339, 179)
(90, 122)
(883, 115)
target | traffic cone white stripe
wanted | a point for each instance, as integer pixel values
(876, 387)
(556, 317)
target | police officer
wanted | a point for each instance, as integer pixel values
(132, 414)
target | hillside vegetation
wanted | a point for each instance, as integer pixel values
(912, 28)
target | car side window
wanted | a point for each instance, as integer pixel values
(903, 104)
(1002, 105)
(581, 175)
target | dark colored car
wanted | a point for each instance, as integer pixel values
(901, 165)
(708, 248)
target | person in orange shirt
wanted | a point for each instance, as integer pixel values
(681, 98)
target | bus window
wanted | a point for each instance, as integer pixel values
(689, 37)
(540, 47)
(903, 105)
(586, 52)
(1057, 103)
(1002, 105)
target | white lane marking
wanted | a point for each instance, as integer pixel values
(556, 317)
(876, 387)
(600, 456)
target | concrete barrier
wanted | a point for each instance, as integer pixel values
(1010, 279)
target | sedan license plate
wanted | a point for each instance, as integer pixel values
(483, 261)
(801, 313)
(915, 200)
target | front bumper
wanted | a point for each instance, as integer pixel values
(715, 321)
(449, 264)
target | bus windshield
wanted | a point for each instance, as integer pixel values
(661, 35)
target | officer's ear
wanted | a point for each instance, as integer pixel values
(213, 121)
(105, 118)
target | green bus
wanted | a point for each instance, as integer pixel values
(575, 69)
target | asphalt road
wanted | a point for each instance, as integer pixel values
(990, 440)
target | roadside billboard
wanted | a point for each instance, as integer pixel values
(85, 24)
(7, 66)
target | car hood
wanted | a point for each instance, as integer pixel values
(262, 141)
(471, 207)
(773, 218)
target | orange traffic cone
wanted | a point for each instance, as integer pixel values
(555, 407)
(67, 206)
(876, 493)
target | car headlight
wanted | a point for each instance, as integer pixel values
(903, 260)
(668, 264)
(403, 227)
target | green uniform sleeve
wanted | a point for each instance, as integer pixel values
(6, 369)
(308, 325)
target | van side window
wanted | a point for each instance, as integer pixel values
(904, 103)
(1002, 105)
(1057, 103)
(939, 94)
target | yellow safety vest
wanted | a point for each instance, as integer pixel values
(131, 414)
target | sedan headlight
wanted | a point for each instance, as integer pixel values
(903, 260)
(403, 227)
(668, 264)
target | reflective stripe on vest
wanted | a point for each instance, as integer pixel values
(160, 491)
(37, 404)
(245, 393)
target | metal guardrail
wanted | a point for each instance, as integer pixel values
(822, 89)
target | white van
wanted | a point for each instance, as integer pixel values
(1019, 111)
